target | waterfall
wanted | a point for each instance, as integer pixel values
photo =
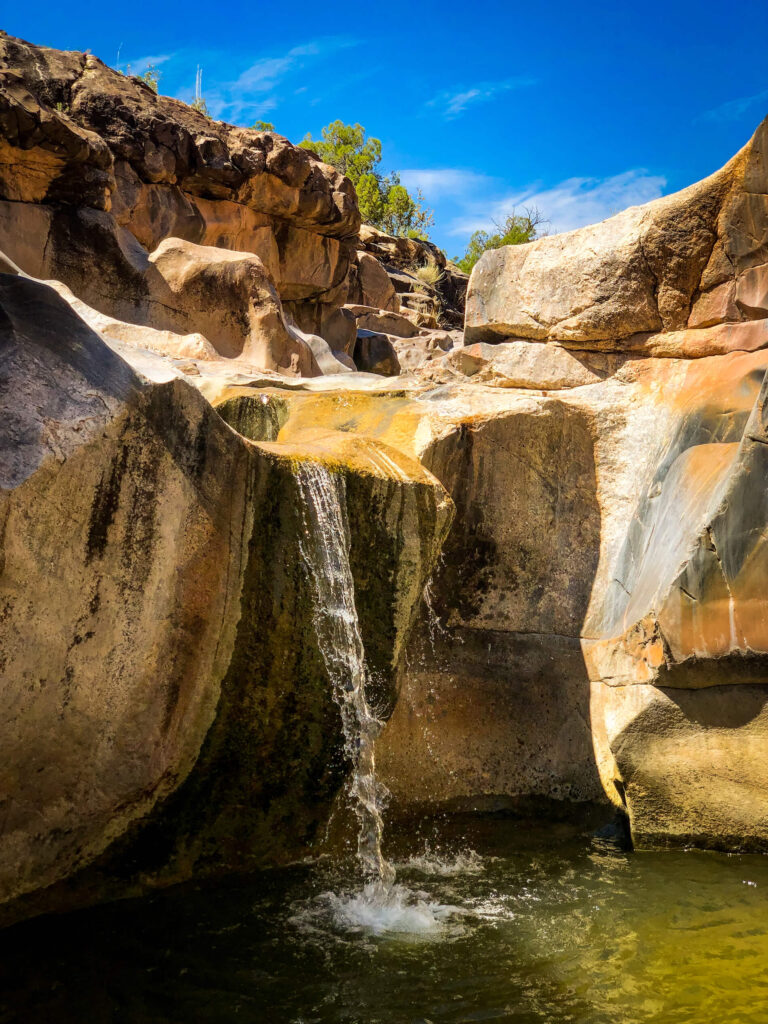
(325, 549)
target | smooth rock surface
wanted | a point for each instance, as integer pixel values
(692, 259)
(168, 707)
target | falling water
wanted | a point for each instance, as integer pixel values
(381, 906)
(325, 549)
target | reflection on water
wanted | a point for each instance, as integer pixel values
(495, 921)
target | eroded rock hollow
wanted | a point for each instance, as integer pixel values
(556, 522)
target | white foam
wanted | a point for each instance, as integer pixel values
(467, 862)
(379, 909)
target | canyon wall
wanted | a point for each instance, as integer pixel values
(183, 305)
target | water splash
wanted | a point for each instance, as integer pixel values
(435, 629)
(444, 865)
(381, 906)
(325, 550)
(397, 910)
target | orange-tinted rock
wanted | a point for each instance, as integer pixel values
(655, 268)
(74, 131)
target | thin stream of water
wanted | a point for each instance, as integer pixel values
(325, 550)
(381, 905)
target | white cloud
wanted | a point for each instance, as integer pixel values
(453, 102)
(733, 109)
(254, 90)
(141, 64)
(436, 183)
(571, 204)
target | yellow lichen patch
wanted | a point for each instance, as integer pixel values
(344, 453)
(392, 419)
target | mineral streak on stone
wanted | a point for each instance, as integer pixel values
(166, 703)
(598, 626)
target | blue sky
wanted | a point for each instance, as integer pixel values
(577, 109)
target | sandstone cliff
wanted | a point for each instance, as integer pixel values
(96, 171)
(123, 196)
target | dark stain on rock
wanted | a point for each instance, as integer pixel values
(140, 522)
(104, 507)
(470, 552)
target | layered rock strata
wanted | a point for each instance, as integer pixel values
(97, 172)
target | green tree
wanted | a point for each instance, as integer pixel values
(151, 76)
(517, 229)
(347, 148)
(384, 202)
(263, 126)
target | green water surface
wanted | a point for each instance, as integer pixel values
(550, 924)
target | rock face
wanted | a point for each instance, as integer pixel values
(97, 172)
(596, 627)
(375, 353)
(690, 260)
(167, 702)
(599, 616)
(101, 179)
(401, 259)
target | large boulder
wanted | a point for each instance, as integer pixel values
(169, 711)
(227, 297)
(493, 704)
(689, 260)
(371, 285)
(123, 534)
(375, 353)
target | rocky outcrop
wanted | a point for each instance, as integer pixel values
(688, 261)
(442, 298)
(98, 174)
(493, 704)
(167, 703)
(100, 177)
(598, 619)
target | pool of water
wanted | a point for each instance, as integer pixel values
(494, 920)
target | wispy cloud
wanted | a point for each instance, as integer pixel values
(257, 88)
(571, 204)
(452, 102)
(141, 64)
(437, 183)
(734, 109)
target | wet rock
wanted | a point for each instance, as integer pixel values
(169, 713)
